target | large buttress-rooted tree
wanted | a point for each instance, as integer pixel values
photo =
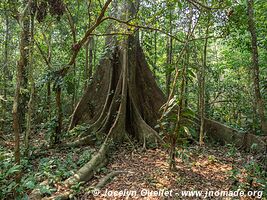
(123, 98)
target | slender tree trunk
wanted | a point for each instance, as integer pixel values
(88, 60)
(186, 63)
(187, 60)
(95, 51)
(202, 89)
(25, 23)
(73, 32)
(169, 62)
(176, 134)
(59, 116)
(31, 89)
(5, 71)
(91, 48)
(141, 37)
(86, 66)
(155, 54)
(169, 54)
(19, 100)
(49, 58)
(255, 65)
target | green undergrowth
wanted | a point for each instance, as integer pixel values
(54, 166)
(252, 176)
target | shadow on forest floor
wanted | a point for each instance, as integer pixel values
(198, 169)
(210, 168)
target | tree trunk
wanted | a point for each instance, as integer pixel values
(5, 72)
(86, 66)
(255, 66)
(24, 61)
(49, 58)
(89, 46)
(123, 98)
(19, 100)
(73, 32)
(177, 132)
(202, 88)
(31, 89)
(155, 54)
(56, 137)
(169, 57)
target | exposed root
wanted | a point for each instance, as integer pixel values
(62, 196)
(227, 135)
(36, 194)
(144, 131)
(88, 170)
(123, 98)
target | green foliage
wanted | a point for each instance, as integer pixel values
(49, 128)
(168, 123)
(54, 169)
(77, 187)
(8, 173)
(85, 157)
(183, 154)
(252, 179)
(231, 150)
(78, 130)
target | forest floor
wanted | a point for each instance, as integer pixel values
(209, 168)
(204, 169)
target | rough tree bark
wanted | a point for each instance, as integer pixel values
(49, 58)
(56, 137)
(17, 110)
(31, 87)
(202, 89)
(169, 56)
(123, 98)
(24, 62)
(5, 71)
(255, 67)
(74, 40)
(155, 54)
(88, 51)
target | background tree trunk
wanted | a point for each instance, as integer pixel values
(202, 88)
(5, 72)
(73, 33)
(155, 54)
(169, 56)
(56, 137)
(19, 100)
(255, 66)
(31, 88)
(23, 62)
(49, 59)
